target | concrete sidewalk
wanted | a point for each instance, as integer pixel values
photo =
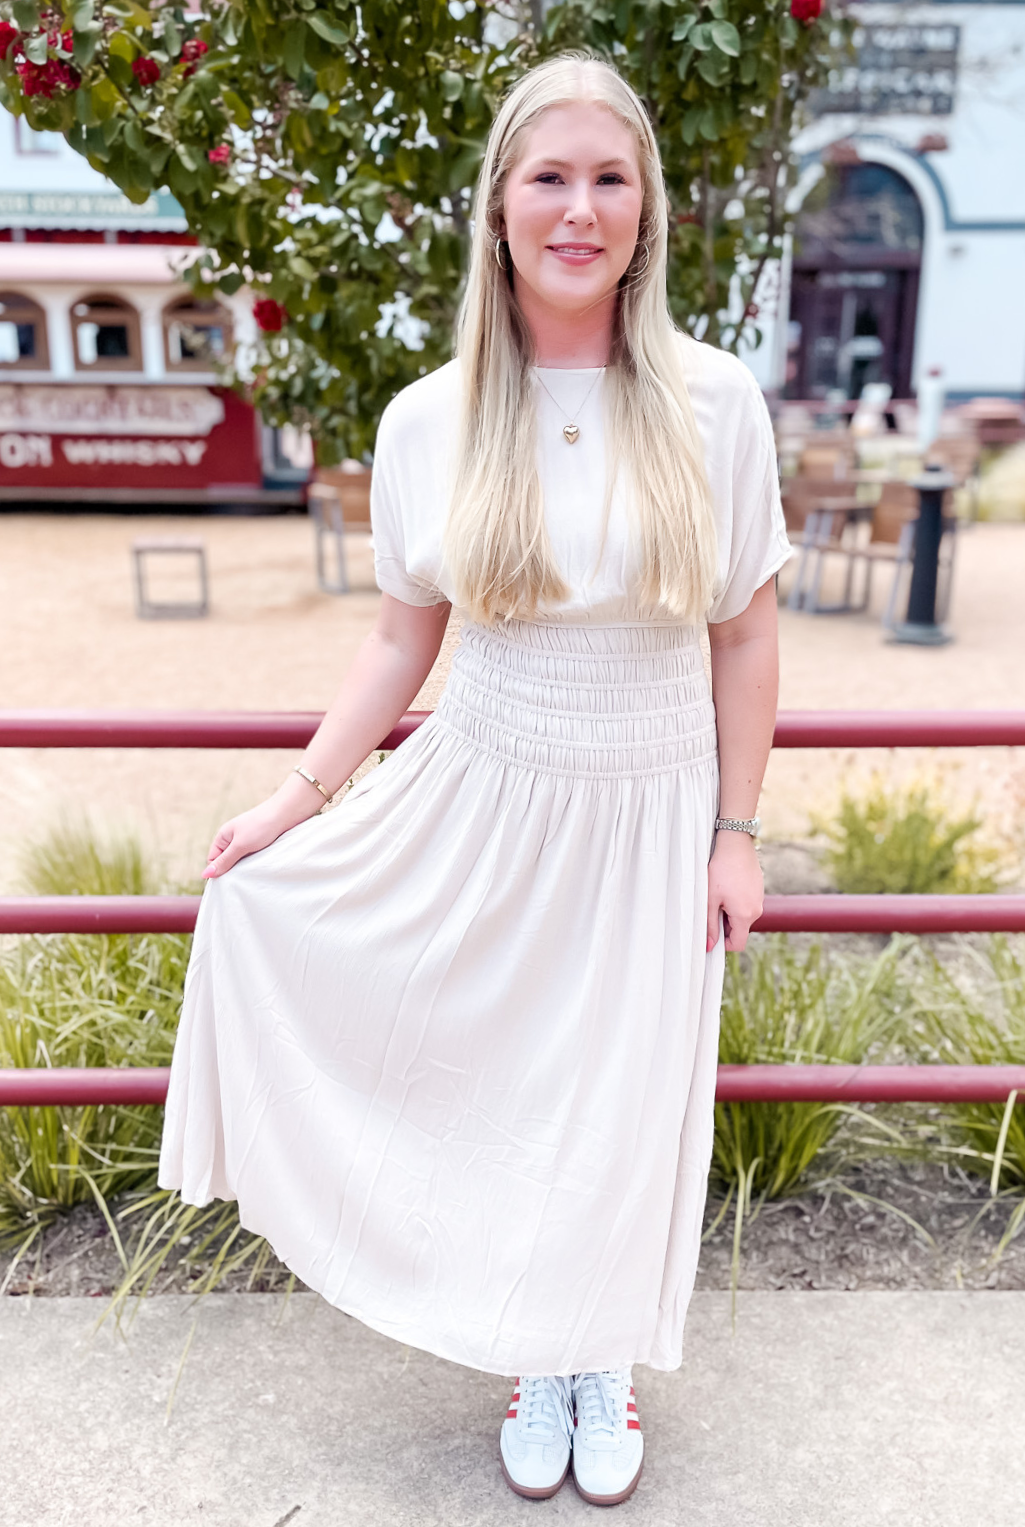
(824, 1410)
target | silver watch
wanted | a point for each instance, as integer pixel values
(734, 824)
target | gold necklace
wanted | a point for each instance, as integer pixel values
(570, 430)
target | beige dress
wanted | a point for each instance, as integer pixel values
(452, 1045)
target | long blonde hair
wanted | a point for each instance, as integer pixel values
(496, 542)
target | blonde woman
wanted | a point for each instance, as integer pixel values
(452, 1045)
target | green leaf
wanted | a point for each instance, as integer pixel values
(86, 41)
(36, 49)
(172, 35)
(319, 102)
(121, 46)
(230, 283)
(328, 32)
(302, 268)
(683, 28)
(726, 38)
(451, 85)
(241, 115)
(707, 124)
(26, 14)
(84, 110)
(295, 48)
(82, 15)
(701, 36)
(187, 156)
(104, 99)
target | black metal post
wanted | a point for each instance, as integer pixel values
(920, 626)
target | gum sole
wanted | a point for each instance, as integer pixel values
(532, 1494)
(610, 1500)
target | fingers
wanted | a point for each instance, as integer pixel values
(223, 854)
(736, 933)
(738, 928)
(712, 928)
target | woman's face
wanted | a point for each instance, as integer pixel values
(572, 208)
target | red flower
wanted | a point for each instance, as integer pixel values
(806, 10)
(192, 52)
(146, 71)
(9, 36)
(46, 79)
(269, 315)
(219, 155)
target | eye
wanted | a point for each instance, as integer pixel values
(548, 178)
(612, 177)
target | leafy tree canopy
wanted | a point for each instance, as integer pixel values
(325, 152)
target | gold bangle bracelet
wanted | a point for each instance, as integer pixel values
(313, 781)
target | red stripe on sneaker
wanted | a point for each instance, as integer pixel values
(510, 1415)
(633, 1426)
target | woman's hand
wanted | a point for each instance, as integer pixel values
(389, 669)
(245, 834)
(734, 887)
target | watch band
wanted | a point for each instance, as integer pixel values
(734, 824)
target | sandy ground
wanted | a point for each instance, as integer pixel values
(273, 641)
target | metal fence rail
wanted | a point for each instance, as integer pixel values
(825, 913)
(819, 914)
(81, 1085)
(292, 729)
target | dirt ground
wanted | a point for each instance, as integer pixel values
(273, 641)
(884, 1225)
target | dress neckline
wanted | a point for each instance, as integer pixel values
(570, 370)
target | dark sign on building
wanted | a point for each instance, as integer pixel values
(906, 69)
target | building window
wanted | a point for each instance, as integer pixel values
(27, 141)
(197, 334)
(106, 331)
(22, 333)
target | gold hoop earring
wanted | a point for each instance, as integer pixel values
(498, 254)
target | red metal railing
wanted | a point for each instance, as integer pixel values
(290, 729)
(735, 1084)
(819, 914)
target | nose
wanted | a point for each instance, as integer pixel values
(580, 207)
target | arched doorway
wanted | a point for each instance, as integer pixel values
(854, 287)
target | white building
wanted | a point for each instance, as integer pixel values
(909, 249)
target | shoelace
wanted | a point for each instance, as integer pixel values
(546, 1406)
(601, 1405)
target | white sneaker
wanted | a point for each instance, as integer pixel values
(608, 1448)
(537, 1435)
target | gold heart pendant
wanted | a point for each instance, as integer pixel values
(571, 431)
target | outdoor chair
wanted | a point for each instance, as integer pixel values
(328, 537)
(959, 454)
(892, 539)
(339, 501)
(831, 456)
(148, 608)
(823, 519)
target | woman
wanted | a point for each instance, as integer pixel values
(452, 1045)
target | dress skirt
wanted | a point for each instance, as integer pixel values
(452, 1044)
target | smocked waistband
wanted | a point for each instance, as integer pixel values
(580, 699)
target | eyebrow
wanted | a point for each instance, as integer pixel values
(565, 164)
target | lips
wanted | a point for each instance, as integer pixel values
(575, 249)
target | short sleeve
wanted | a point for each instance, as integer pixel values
(389, 485)
(753, 537)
